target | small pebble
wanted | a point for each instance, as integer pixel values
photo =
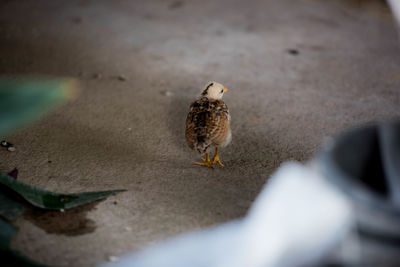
(11, 149)
(293, 52)
(62, 210)
(128, 229)
(129, 129)
(77, 20)
(97, 76)
(176, 4)
(112, 258)
(121, 78)
(167, 93)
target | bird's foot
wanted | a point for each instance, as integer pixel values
(217, 160)
(205, 162)
(208, 164)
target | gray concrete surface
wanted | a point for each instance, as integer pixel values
(130, 134)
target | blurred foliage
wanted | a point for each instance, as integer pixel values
(6, 234)
(10, 257)
(23, 100)
(9, 207)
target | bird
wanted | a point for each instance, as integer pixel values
(208, 124)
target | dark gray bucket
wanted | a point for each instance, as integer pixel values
(365, 164)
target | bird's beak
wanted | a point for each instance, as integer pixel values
(225, 90)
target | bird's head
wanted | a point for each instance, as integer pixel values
(214, 90)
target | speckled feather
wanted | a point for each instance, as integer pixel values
(207, 124)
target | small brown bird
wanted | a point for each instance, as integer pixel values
(208, 124)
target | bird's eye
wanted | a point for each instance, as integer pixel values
(222, 91)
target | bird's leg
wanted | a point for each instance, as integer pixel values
(216, 158)
(206, 162)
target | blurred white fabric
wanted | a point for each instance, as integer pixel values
(395, 6)
(296, 220)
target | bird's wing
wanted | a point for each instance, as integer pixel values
(190, 128)
(219, 123)
(207, 124)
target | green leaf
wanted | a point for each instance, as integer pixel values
(49, 200)
(24, 100)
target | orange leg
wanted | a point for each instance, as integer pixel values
(216, 158)
(206, 162)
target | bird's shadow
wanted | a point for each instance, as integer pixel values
(177, 113)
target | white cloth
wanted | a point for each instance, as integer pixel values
(296, 220)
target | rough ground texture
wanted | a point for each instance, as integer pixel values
(128, 132)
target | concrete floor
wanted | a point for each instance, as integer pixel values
(130, 134)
